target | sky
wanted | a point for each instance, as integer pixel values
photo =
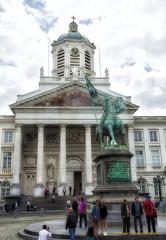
(130, 37)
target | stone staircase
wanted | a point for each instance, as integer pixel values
(46, 203)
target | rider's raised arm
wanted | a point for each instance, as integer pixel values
(96, 102)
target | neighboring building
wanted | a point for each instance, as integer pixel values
(50, 139)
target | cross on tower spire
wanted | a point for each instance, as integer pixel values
(73, 18)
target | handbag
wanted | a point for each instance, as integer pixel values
(155, 214)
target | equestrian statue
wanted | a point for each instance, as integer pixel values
(109, 122)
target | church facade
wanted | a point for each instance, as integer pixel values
(50, 138)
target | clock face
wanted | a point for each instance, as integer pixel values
(74, 51)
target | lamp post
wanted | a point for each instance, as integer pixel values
(159, 181)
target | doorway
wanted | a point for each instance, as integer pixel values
(78, 183)
(30, 184)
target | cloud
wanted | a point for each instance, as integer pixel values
(129, 35)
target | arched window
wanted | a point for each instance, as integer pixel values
(5, 189)
(143, 185)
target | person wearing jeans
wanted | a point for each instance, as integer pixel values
(71, 223)
(137, 213)
(125, 212)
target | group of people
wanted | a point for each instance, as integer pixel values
(78, 208)
(136, 210)
(70, 191)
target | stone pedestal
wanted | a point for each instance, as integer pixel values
(114, 182)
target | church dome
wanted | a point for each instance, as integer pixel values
(72, 33)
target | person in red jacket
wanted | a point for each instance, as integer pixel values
(149, 209)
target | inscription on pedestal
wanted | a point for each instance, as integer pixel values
(118, 171)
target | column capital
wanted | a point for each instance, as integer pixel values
(130, 126)
(88, 126)
(18, 125)
(40, 127)
(18, 128)
(63, 125)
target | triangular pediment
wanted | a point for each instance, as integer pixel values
(69, 95)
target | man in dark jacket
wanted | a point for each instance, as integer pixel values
(71, 223)
(137, 213)
(125, 212)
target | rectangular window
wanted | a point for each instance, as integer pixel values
(138, 136)
(5, 190)
(153, 136)
(139, 158)
(155, 158)
(143, 189)
(7, 159)
(8, 136)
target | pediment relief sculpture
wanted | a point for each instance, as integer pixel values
(74, 98)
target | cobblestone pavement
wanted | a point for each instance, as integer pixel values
(10, 226)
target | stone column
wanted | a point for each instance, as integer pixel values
(62, 163)
(88, 161)
(39, 188)
(132, 150)
(15, 188)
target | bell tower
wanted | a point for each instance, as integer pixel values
(73, 50)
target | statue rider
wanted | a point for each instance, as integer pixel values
(106, 109)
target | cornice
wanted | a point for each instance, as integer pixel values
(7, 119)
(149, 119)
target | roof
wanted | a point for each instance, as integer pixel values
(73, 34)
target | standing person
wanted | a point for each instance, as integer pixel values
(149, 209)
(28, 205)
(53, 198)
(16, 206)
(53, 190)
(68, 203)
(137, 213)
(103, 215)
(90, 235)
(82, 212)
(125, 212)
(70, 189)
(45, 233)
(71, 223)
(64, 191)
(96, 216)
(12, 207)
(45, 192)
(75, 207)
(48, 190)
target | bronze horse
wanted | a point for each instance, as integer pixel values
(111, 122)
